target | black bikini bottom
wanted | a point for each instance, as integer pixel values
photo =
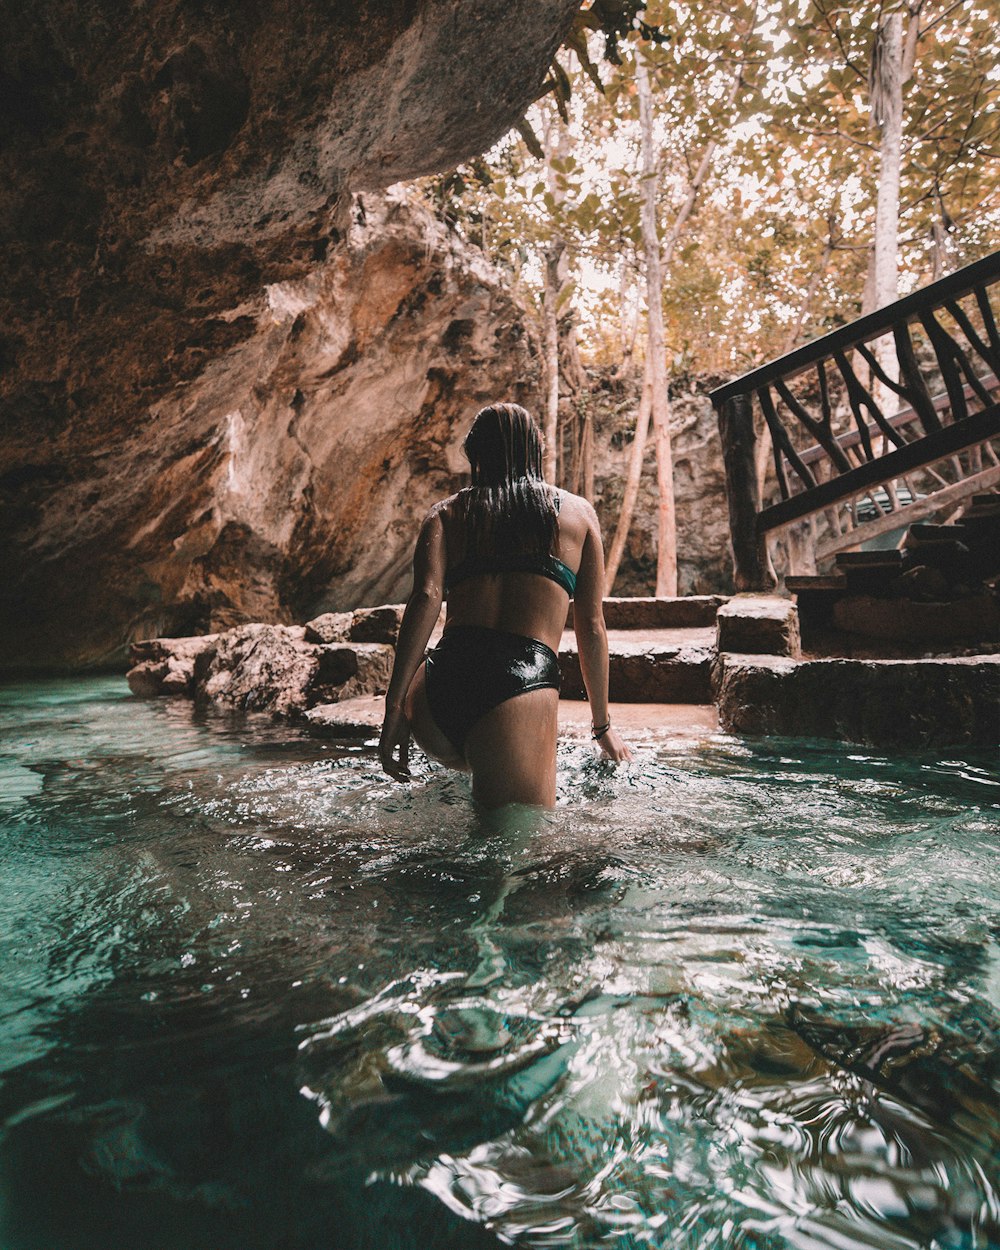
(473, 669)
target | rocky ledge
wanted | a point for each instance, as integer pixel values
(304, 672)
(282, 669)
(939, 702)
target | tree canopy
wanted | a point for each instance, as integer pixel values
(775, 104)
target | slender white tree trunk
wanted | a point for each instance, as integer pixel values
(656, 362)
(662, 259)
(550, 460)
(886, 93)
(887, 107)
(631, 492)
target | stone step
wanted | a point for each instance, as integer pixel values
(672, 668)
(982, 511)
(881, 703)
(814, 582)
(850, 560)
(649, 612)
(815, 597)
(928, 532)
(870, 572)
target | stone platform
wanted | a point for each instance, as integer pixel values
(362, 718)
(672, 675)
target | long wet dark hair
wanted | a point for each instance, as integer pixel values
(509, 509)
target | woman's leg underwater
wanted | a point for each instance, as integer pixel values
(512, 751)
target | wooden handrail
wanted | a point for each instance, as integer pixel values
(964, 414)
(882, 321)
(898, 420)
(943, 443)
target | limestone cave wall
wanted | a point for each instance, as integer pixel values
(290, 476)
(162, 165)
(704, 561)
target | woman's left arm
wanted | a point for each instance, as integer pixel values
(422, 610)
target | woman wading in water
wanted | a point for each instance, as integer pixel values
(509, 551)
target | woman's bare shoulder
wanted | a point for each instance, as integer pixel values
(574, 508)
(444, 507)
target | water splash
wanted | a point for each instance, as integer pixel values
(732, 995)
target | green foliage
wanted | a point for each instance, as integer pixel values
(789, 204)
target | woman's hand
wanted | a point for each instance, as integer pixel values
(613, 747)
(394, 745)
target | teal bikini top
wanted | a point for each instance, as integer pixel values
(547, 566)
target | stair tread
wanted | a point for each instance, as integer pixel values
(928, 531)
(869, 559)
(830, 582)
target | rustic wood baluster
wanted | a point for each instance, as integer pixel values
(820, 430)
(989, 322)
(944, 351)
(916, 388)
(780, 439)
(827, 407)
(881, 374)
(752, 566)
(975, 384)
(859, 395)
(991, 357)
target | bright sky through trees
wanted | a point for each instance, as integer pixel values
(778, 242)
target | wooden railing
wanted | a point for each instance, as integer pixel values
(857, 412)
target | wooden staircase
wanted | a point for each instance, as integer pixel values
(956, 564)
(886, 422)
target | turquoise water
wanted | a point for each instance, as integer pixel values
(256, 995)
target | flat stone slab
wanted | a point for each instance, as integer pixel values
(362, 718)
(884, 703)
(758, 625)
(650, 670)
(649, 612)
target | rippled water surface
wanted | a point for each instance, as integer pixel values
(256, 995)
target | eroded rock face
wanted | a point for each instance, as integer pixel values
(260, 668)
(704, 562)
(291, 476)
(162, 164)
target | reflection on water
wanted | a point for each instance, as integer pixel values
(256, 995)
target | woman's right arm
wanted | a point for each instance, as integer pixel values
(422, 610)
(592, 636)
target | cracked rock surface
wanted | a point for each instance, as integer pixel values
(163, 164)
(288, 478)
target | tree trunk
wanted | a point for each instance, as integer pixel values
(654, 303)
(656, 362)
(587, 456)
(817, 276)
(631, 492)
(886, 87)
(940, 249)
(550, 460)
